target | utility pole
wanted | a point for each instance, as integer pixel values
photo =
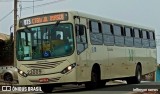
(33, 6)
(15, 28)
(15, 15)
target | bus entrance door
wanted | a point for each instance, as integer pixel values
(82, 51)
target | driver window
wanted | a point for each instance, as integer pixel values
(25, 49)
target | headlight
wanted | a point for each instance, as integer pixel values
(22, 73)
(68, 68)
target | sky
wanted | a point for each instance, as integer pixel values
(141, 12)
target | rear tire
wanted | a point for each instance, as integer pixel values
(102, 83)
(137, 78)
(47, 88)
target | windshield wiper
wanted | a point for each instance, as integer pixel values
(57, 23)
(26, 27)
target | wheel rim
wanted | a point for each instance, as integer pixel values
(139, 75)
(8, 77)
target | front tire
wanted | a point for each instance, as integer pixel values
(95, 78)
(47, 88)
(8, 77)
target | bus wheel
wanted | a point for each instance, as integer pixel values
(95, 78)
(102, 83)
(8, 77)
(47, 88)
(137, 78)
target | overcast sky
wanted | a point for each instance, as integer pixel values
(142, 12)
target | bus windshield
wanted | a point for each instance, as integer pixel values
(47, 41)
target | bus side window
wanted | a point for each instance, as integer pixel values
(118, 35)
(81, 38)
(137, 38)
(152, 39)
(108, 38)
(128, 37)
(95, 33)
(145, 40)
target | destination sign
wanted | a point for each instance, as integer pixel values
(43, 19)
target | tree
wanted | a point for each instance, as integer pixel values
(6, 52)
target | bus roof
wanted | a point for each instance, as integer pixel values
(99, 18)
(94, 17)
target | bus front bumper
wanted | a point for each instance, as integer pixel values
(54, 78)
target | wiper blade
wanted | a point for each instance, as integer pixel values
(26, 27)
(57, 23)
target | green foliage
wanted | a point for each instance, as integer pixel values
(158, 67)
(6, 52)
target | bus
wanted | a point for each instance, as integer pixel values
(73, 47)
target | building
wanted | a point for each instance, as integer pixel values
(4, 36)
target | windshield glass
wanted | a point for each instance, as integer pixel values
(47, 41)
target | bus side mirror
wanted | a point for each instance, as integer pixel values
(11, 36)
(80, 29)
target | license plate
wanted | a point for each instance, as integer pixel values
(43, 80)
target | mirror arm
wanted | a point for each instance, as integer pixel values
(77, 18)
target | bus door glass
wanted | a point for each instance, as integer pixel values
(81, 38)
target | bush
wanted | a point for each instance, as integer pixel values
(6, 52)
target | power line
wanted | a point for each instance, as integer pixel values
(6, 15)
(6, 0)
(40, 5)
(29, 7)
(20, 0)
(30, 1)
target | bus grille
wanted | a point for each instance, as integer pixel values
(47, 65)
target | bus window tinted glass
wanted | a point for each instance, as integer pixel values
(144, 34)
(94, 27)
(95, 34)
(106, 28)
(117, 30)
(151, 35)
(136, 32)
(128, 32)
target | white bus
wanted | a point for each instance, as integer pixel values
(77, 48)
